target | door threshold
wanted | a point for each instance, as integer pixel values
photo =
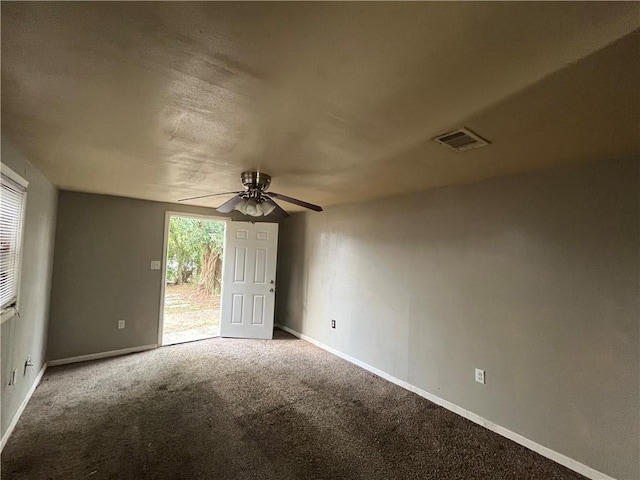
(190, 340)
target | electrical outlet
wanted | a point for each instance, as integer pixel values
(333, 324)
(120, 324)
(480, 376)
(156, 264)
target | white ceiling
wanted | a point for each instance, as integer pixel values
(337, 101)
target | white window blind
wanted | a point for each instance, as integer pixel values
(12, 202)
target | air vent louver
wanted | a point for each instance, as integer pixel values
(461, 140)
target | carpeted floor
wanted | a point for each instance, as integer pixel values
(248, 409)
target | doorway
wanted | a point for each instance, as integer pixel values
(194, 247)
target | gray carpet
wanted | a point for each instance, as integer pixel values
(248, 409)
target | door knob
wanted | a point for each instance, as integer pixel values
(272, 289)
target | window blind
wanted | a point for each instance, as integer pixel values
(12, 201)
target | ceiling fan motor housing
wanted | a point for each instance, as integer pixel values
(255, 180)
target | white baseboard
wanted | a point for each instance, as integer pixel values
(97, 356)
(516, 437)
(23, 405)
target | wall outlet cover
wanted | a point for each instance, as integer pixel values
(120, 324)
(156, 264)
(480, 378)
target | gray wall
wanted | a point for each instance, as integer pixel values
(104, 246)
(533, 278)
(27, 334)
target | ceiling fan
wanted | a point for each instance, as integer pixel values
(255, 201)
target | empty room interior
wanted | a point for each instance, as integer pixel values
(323, 240)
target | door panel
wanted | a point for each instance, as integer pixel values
(248, 280)
(240, 262)
(258, 310)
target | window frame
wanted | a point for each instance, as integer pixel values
(11, 310)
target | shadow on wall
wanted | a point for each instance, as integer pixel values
(292, 270)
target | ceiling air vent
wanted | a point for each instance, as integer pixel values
(461, 140)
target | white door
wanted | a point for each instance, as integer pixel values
(249, 280)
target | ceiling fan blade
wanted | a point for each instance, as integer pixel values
(295, 201)
(229, 205)
(278, 211)
(204, 196)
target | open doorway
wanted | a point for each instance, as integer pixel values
(193, 278)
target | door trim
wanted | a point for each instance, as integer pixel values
(165, 247)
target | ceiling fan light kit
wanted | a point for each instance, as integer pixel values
(254, 209)
(255, 201)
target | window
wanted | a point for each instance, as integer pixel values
(12, 207)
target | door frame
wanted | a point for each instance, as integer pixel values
(165, 250)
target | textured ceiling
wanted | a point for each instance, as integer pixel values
(337, 101)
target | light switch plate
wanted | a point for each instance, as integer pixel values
(155, 264)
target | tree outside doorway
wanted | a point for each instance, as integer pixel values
(194, 279)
